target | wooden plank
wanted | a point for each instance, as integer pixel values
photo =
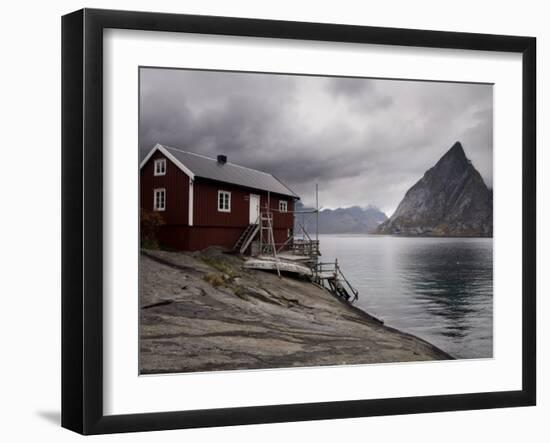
(273, 265)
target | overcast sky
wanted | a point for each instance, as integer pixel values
(365, 141)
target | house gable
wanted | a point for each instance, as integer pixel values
(175, 182)
(158, 147)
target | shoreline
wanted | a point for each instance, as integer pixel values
(374, 234)
(432, 236)
(203, 312)
(391, 328)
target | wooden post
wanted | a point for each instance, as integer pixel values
(317, 212)
(261, 223)
(316, 259)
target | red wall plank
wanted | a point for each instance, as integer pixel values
(176, 184)
(206, 206)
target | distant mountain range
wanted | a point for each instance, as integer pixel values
(450, 200)
(352, 220)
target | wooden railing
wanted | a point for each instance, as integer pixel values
(332, 273)
(308, 248)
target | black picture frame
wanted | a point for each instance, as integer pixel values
(82, 218)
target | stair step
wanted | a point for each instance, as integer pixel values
(246, 238)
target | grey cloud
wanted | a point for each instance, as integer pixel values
(363, 140)
(360, 94)
(349, 87)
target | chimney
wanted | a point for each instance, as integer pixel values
(222, 159)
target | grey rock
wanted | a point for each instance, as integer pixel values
(262, 322)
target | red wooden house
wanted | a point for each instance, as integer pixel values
(210, 202)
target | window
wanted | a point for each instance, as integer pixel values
(283, 206)
(160, 166)
(159, 199)
(224, 201)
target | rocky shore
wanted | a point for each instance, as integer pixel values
(204, 312)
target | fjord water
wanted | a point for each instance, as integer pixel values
(439, 289)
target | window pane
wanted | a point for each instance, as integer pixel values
(159, 200)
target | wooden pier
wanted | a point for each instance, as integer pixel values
(298, 255)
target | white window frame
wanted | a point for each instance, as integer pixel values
(156, 200)
(283, 206)
(160, 166)
(222, 208)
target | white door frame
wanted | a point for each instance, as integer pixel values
(254, 213)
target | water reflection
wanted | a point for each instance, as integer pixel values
(438, 289)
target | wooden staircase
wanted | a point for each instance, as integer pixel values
(337, 289)
(246, 238)
(336, 281)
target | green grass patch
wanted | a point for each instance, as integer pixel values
(220, 265)
(215, 279)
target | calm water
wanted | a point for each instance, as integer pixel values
(439, 289)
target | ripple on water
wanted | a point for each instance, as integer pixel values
(438, 289)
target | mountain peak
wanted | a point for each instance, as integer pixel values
(454, 161)
(457, 149)
(451, 199)
(455, 152)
